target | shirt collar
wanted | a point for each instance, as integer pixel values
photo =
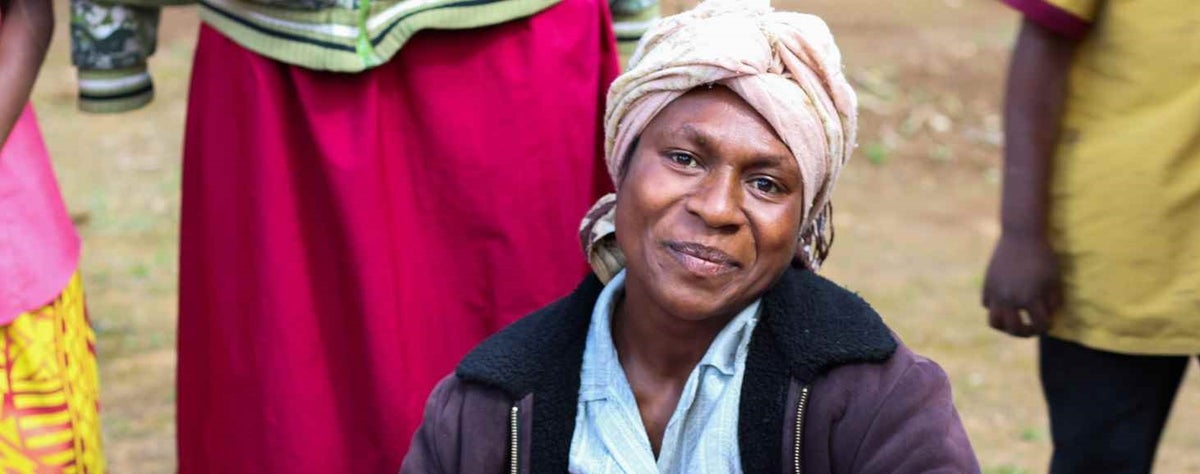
(733, 342)
(599, 354)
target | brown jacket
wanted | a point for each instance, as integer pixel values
(822, 365)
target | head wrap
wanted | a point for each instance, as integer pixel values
(785, 65)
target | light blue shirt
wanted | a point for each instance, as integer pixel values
(701, 436)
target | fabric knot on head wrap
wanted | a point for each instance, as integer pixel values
(785, 65)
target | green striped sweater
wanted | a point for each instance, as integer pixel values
(112, 39)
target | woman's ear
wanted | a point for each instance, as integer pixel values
(800, 257)
(799, 260)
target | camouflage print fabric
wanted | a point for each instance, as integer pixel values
(106, 36)
(630, 7)
(631, 20)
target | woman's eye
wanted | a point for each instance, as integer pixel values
(766, 185)
(683, 159)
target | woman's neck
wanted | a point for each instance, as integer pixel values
(652, 342)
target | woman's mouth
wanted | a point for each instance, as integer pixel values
(701, 259)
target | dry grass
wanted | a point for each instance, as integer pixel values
(916, 216)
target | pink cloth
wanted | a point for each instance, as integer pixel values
(39, 248)
(347, 238)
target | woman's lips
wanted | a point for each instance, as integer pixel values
(701, 259)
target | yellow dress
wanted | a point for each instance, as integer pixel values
(1125, 213)
(49, 417)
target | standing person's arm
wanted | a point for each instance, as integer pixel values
(25, 31)
(1023, 275)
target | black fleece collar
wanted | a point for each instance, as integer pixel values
(808, 326)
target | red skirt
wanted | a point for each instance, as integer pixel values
(347, 238)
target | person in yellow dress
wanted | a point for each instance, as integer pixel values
(1100, 249)
(49, 394)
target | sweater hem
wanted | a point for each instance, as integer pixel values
(315, 44)
(1104, 340)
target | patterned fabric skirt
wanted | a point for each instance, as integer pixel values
(49, 421)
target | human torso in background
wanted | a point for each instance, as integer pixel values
(1126, 181)
(111, 40)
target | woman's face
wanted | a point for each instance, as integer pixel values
(709, 210)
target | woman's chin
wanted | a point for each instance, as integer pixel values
(696, 305)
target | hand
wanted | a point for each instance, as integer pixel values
(1023, 287)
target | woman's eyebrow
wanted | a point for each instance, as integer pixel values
(694, 135)
(765, 158)
(775, 164)
(765, 161)
(769, 160)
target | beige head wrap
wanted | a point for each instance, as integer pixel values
(784, 64)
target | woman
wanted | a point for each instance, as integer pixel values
(329, 184)
(49, 420)
(716, 348)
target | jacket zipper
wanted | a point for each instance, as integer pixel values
(799, 426)
(514, 450)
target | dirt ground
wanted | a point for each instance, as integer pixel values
(916, 219)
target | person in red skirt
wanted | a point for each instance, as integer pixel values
(369, 190)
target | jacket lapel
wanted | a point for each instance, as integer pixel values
(808, 326)
(541, 354)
